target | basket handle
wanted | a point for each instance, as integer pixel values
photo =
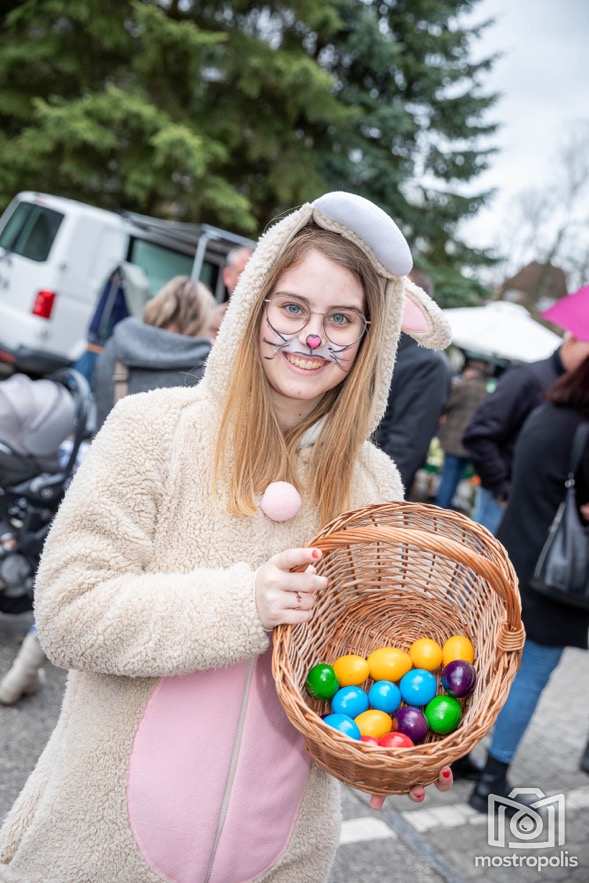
(512, 635)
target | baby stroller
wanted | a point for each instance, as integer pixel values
(43, 424)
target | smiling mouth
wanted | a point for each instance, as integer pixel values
(306, 363)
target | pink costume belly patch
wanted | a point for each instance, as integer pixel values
(180, 770)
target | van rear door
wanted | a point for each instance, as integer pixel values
(28, 237)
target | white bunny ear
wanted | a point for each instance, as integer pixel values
(422, 318)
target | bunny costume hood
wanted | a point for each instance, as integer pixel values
(407, 307)
(172, 759)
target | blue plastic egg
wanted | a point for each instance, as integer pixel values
(418, 687)
(350, 701)
(385, 696)
(344, 724)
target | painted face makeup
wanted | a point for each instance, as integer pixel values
(287, 317)
(315, 346)
(305, 341)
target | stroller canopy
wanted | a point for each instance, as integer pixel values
(36, 416)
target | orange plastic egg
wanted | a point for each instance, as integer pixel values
(351, 670)
(374, 723)
(458, 647)
(426, 653)
(389, 664)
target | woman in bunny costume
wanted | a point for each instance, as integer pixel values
(168, 566)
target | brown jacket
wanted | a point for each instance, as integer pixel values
(464, 399)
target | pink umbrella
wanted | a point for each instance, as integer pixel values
(571, 313)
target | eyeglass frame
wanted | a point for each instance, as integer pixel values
(323, 315)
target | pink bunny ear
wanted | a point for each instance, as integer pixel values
(423, 319)
(414, 318)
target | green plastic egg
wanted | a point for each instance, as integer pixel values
(443, 714)
(321, 681)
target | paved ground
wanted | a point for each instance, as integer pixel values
(434, 843)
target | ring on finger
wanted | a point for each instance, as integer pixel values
(299, 598)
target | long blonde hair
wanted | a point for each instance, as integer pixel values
(183, 303)
(262, 453)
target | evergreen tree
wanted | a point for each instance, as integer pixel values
(233, 112)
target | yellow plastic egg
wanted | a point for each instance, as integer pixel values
(351, 670)
(457, 647)
(389, 664)
(374, 723)
(426, 653)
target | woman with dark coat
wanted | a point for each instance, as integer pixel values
(541, 464)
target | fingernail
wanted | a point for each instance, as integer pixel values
(316, 554)
(420, 796)
(446, 774)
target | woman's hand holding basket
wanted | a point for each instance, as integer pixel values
(285, 598)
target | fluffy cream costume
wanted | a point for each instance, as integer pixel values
(146, 594)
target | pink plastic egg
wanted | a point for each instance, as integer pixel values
(281, 501)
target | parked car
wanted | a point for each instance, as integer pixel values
(56, 254)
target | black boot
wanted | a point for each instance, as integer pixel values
(584, 764)
(466, 768)
(492, 780)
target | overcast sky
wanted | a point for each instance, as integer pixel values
(544, 78)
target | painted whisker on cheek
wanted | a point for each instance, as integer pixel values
(278, 348)
(335, 356)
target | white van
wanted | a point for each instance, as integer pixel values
(55, 256)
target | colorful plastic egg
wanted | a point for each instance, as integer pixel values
(443, 714)
(385, 696)
(370, 740)
(351, 701)
(344, 724)
(374, 723)
(457, 647)
(412, 722)
(418, 687)
(351, 670)
(389, 664)
(395, 740)
(426, 653)
(459, 678)
(321, 681)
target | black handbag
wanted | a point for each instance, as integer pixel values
(562, 570)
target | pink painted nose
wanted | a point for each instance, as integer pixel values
(313, 341)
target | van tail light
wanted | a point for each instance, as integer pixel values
(44, 303)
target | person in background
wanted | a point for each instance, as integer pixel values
(418, 393)
(492, 433)
(540, 466)
(169, 348)
(236, 262)
(468, 391)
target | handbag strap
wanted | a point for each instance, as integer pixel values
(578, 449)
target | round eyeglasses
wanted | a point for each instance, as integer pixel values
(342, 326)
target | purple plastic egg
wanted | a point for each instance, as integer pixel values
(412, 722)
(459, 678)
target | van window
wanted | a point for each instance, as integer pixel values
(30, 231)
(160, 264)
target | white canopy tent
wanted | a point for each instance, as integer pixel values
(501, 330)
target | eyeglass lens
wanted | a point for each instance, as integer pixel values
(289, 315)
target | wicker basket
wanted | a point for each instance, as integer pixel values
(397, 572)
